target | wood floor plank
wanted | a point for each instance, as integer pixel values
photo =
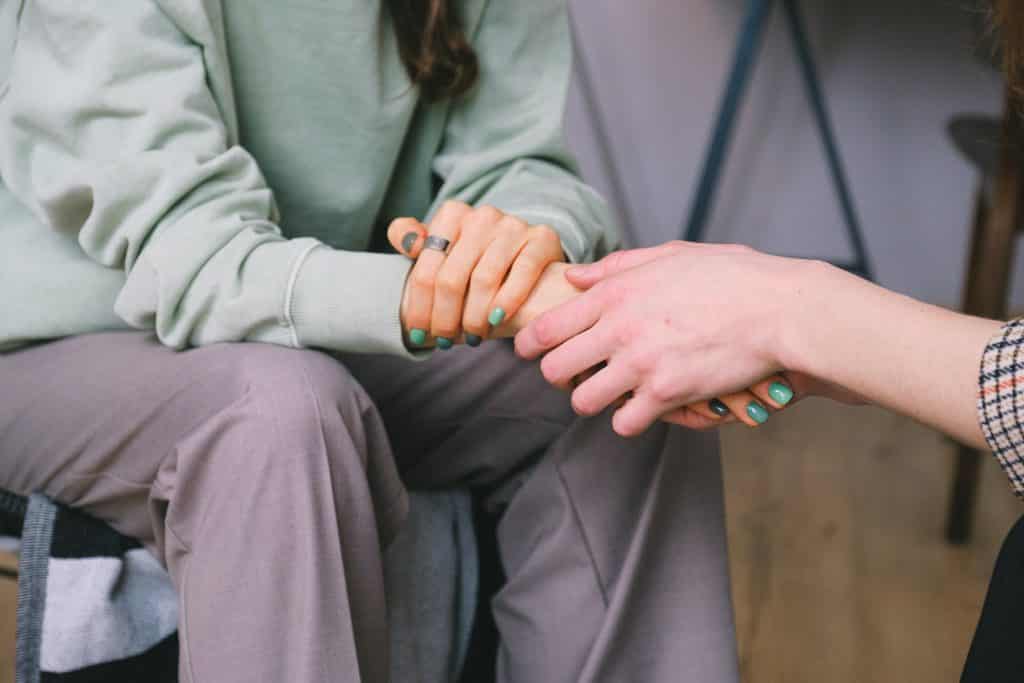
(839, 568)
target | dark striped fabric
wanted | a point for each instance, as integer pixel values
(1001, 400)
(117, 616)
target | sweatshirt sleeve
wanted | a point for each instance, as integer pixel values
(504, 143)
(109, 131)
(1000, 408)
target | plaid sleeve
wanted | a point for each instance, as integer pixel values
(1001, 400)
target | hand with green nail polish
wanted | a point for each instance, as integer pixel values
(493, 267)
(551, 291)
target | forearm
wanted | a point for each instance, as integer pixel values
(914, 358)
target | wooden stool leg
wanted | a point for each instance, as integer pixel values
(986, 290)
(962, 499)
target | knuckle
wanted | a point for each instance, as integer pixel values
(641, 362)
(423, 279)
(487, 214)
(513, 224)
(631, 333)
(544, 332)
(663, 388)
(529, 262)
(484, 278)
(453, 206)
(613, 261)
(545, 233)
(449, 283)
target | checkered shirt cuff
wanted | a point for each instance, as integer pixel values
(1001, 400)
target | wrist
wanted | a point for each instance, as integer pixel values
(808, 306)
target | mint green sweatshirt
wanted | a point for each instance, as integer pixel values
(220, 170)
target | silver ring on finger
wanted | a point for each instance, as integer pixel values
(437, 243)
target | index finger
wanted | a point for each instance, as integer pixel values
(558, 325)
(406, 235)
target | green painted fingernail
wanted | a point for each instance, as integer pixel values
(780, 393)
(444, 343)
(718, 408)
(417, 336)
(757, 412)
(473, 340)
(409, 241)
(496, 316)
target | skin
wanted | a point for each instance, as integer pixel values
(551, 290)
(676, 325)
(495, 261)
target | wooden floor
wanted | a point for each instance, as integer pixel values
(839, 569)
(840, 573)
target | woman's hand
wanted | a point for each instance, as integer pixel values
(674, 327)
(756, 404)
(683, 323)
(493, 263)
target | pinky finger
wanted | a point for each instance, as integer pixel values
(691, 419)
(704, 408)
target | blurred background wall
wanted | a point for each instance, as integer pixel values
(894, 71)
(840, 571)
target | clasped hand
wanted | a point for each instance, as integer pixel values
(629, 331)
(498, 273)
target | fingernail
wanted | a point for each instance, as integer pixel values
(718, 408)
(577, 271)
(496, 316)
(444, 343)
(417, 336)
(757, 412)
(473, 340)
(780, 393)
(409, 241)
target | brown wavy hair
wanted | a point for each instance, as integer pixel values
(434, 48)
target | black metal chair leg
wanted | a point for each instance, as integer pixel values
(748, 44)
(747, 47)
(812, 83)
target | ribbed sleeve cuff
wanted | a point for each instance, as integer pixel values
(1001, 400)
(349, 301)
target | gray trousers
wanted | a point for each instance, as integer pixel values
(267, 480)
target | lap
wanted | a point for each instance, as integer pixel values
(89, 420)
(110, 406)
(467, 415)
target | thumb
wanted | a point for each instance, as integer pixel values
(406, 235)
(586, 276)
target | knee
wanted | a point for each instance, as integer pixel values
(293, 402)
